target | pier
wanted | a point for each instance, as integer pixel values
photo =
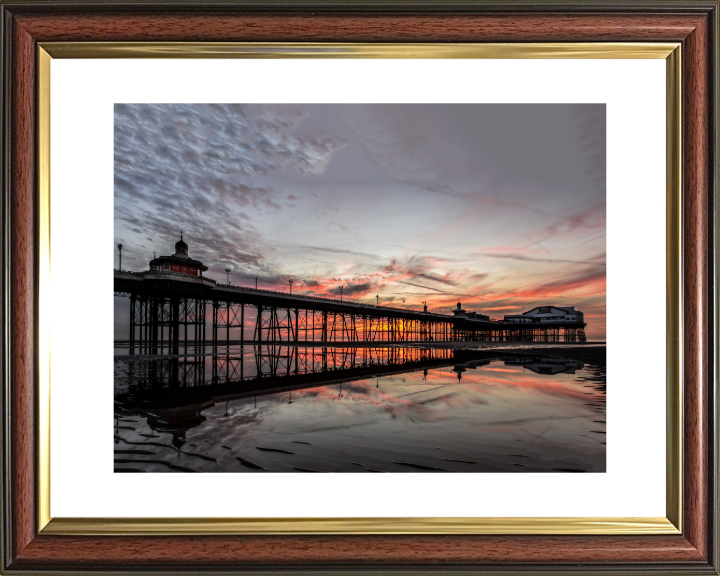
(169, 305)
(168, 310)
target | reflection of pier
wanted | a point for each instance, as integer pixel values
(460, 367)
(168, 382)
(173, 387)
(547, 365)
(168, 306)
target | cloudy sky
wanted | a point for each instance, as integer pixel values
(501, 207)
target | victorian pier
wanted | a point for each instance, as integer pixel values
(169, 305)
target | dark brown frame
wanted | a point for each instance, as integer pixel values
(694, 23)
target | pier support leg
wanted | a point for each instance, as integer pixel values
(133, 312)
(154, 324)
(175, 302)
(215, 325)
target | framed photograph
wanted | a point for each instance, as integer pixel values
(458, 259)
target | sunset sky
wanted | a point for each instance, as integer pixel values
(501, 207)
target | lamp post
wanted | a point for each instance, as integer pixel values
(341, 289)
(255, 282)
(377, 301)
(290, 285)
(227, 273)
(120, 251)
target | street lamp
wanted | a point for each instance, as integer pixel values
(341, 289)
(227, 273)
(120, 251)
(377, 300)
(290, 285)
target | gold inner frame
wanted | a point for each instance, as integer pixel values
(671, 524)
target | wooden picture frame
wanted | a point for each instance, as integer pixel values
(30, 545)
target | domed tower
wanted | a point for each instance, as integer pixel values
(459, 310)
(181, 249)
(179, 262)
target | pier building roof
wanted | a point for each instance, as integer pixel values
(547, 314)
(185, 261)
(178, 262)
(459, 311)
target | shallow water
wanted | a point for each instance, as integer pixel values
(358, 410)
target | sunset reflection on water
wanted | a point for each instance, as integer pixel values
(387, 410)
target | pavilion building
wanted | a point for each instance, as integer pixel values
(179, 262)
(544, 314)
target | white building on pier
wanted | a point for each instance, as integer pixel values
(545, 314)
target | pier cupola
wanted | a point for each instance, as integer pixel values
(179, 262)
(459, 310)
(181, 249)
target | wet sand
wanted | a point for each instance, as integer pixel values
(494, 415)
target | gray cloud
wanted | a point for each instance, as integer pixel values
(352, 289)
(524, 258)
(184, 166)
(420, 286)
(339, 251)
